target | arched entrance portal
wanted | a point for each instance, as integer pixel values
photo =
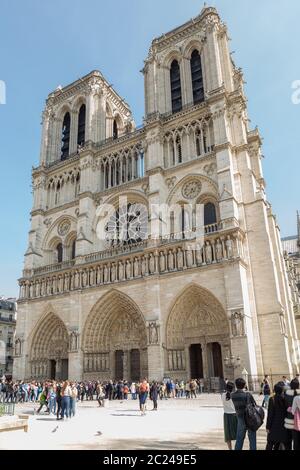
(49, 350)
(115, 340)
(196, 335)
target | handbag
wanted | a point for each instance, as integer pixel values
(297, 420)
(254, 414)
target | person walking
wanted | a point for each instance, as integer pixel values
(66, 393)
(58, 401)
(277, 434)
(133, 391)
(289, 397)
(230, 418)
(154, 391)
(143, 395)
(43, 401)
(240, 399)
(52, 398)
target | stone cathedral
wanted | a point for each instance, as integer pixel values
(133, 307)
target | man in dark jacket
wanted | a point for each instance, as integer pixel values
(240, 398)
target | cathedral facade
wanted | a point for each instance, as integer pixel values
(98, 306)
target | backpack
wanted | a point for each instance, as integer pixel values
(254, 414)
(143, 388)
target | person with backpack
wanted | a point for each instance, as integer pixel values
(243, 403)
(289, 397)
(143, 395)
(277, 434)
(230, 419)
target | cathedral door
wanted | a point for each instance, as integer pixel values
(217, 360)
(196, 361)
(119, 365)
(135, 365)
(64, 369)
(52, 369)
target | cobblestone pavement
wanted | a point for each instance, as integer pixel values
(178, 424)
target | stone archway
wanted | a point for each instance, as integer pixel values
(115, 340)
(49, 349)
(197, 332)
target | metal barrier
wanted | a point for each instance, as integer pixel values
(7, 409)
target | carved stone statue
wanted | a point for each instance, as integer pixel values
(162, 262)
(208, 253)
(151, 264)
(113, 272)
(189, 258)
(229, 247)
(76, 280)
(105, 274)
(84, 278)
(18, 347)
(237, 323)
(121, 271)
(136, 267)
(153, 333)
(170, 260)
(128, 269)
(219, 251)
(143, 266)
(198, 255)
(179, 259)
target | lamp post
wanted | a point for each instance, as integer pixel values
(233, 363)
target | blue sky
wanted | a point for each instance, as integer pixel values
(47, 43)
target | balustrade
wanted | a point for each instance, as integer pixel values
(113, 266)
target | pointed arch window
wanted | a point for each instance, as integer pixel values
(59, 252)
(175, 87)
(115, 130)
(210, 214)
(179, 149)
(73, 250)
(81, 126)
(197, 77)
(65, 139)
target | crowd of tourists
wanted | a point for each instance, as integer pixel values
(32, 391)
(243, 415)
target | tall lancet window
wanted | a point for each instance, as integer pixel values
(197, 77)
(81, 126)
(175, 87)
(65, 139)
(115, 130)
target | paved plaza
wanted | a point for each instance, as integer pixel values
(178, 424)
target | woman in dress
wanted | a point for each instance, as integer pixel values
(230, 419)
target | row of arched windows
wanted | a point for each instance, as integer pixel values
(66, 132)
(197, 82)
(59, 252)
